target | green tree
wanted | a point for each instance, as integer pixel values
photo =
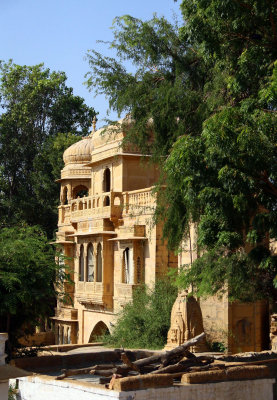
(37, 108)
(165, 89)
(203, 101)
(27, 274)
(224, 179)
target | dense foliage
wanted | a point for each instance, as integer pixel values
(27, 272)
(144, 323)
(40, 118)
(203, 101)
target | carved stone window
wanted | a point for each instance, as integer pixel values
(90, 264)
(106, 201)
(126, 266)
(107, 180)
(80, 191)
(81, 265)
(99, 263)
(64, 199)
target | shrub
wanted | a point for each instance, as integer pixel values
(144, 322)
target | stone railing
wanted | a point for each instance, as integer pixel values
(124, 291)
(141, 201)
(66, 313)
(105, 205)
(90, 287)
(90, 292)
(109, 205)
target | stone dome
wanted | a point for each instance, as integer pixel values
(79, 152)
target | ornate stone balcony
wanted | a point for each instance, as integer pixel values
(66, 314)
(124, 292)
(105, 205)
(90, 292)
(141, 201)
(109, 205)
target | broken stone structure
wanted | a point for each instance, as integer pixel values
(186, 322)
(106, 232)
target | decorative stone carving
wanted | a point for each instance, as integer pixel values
(273, 332)
(186, 322)
(3, 339)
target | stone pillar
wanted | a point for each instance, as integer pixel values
(4, 384)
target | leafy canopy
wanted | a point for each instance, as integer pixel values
(27, 274)
(40, 118)
(203, 100)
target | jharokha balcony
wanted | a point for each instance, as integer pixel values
(90, 292)
(110, 205)
(124, 292)
(106, 205)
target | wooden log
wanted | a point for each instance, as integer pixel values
(181, 350)
(183, 365)
(83, 371)
(169, 355)
(71, 372)
(102, 372)
(125, 359)
(122, 370)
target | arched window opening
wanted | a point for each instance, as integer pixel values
(64, 196)
(106, 201)
(99, 330)
(68, 336)
(80, 191)
(93, 203)
(116, 201)
(58, 335)
(62, 335)
(99, 263)
(80, 205)
(139, 271)
(126, 265)
(81, 265)
(90, 264)
(107, 180)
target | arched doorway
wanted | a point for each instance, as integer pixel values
(107, 180)
(99, 263)
(80, 191)
(99, 330)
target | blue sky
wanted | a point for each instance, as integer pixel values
(59, 33)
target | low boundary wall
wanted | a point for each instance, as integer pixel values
(45, 388)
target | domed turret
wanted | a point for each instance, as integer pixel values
(80, 152)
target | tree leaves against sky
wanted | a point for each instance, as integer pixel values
(208, 89)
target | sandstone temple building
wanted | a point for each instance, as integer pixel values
(106, 232)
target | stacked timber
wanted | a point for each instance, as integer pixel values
(160, 370)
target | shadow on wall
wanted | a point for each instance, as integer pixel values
(99, 330)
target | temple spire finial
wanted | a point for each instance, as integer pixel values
(93, 124)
